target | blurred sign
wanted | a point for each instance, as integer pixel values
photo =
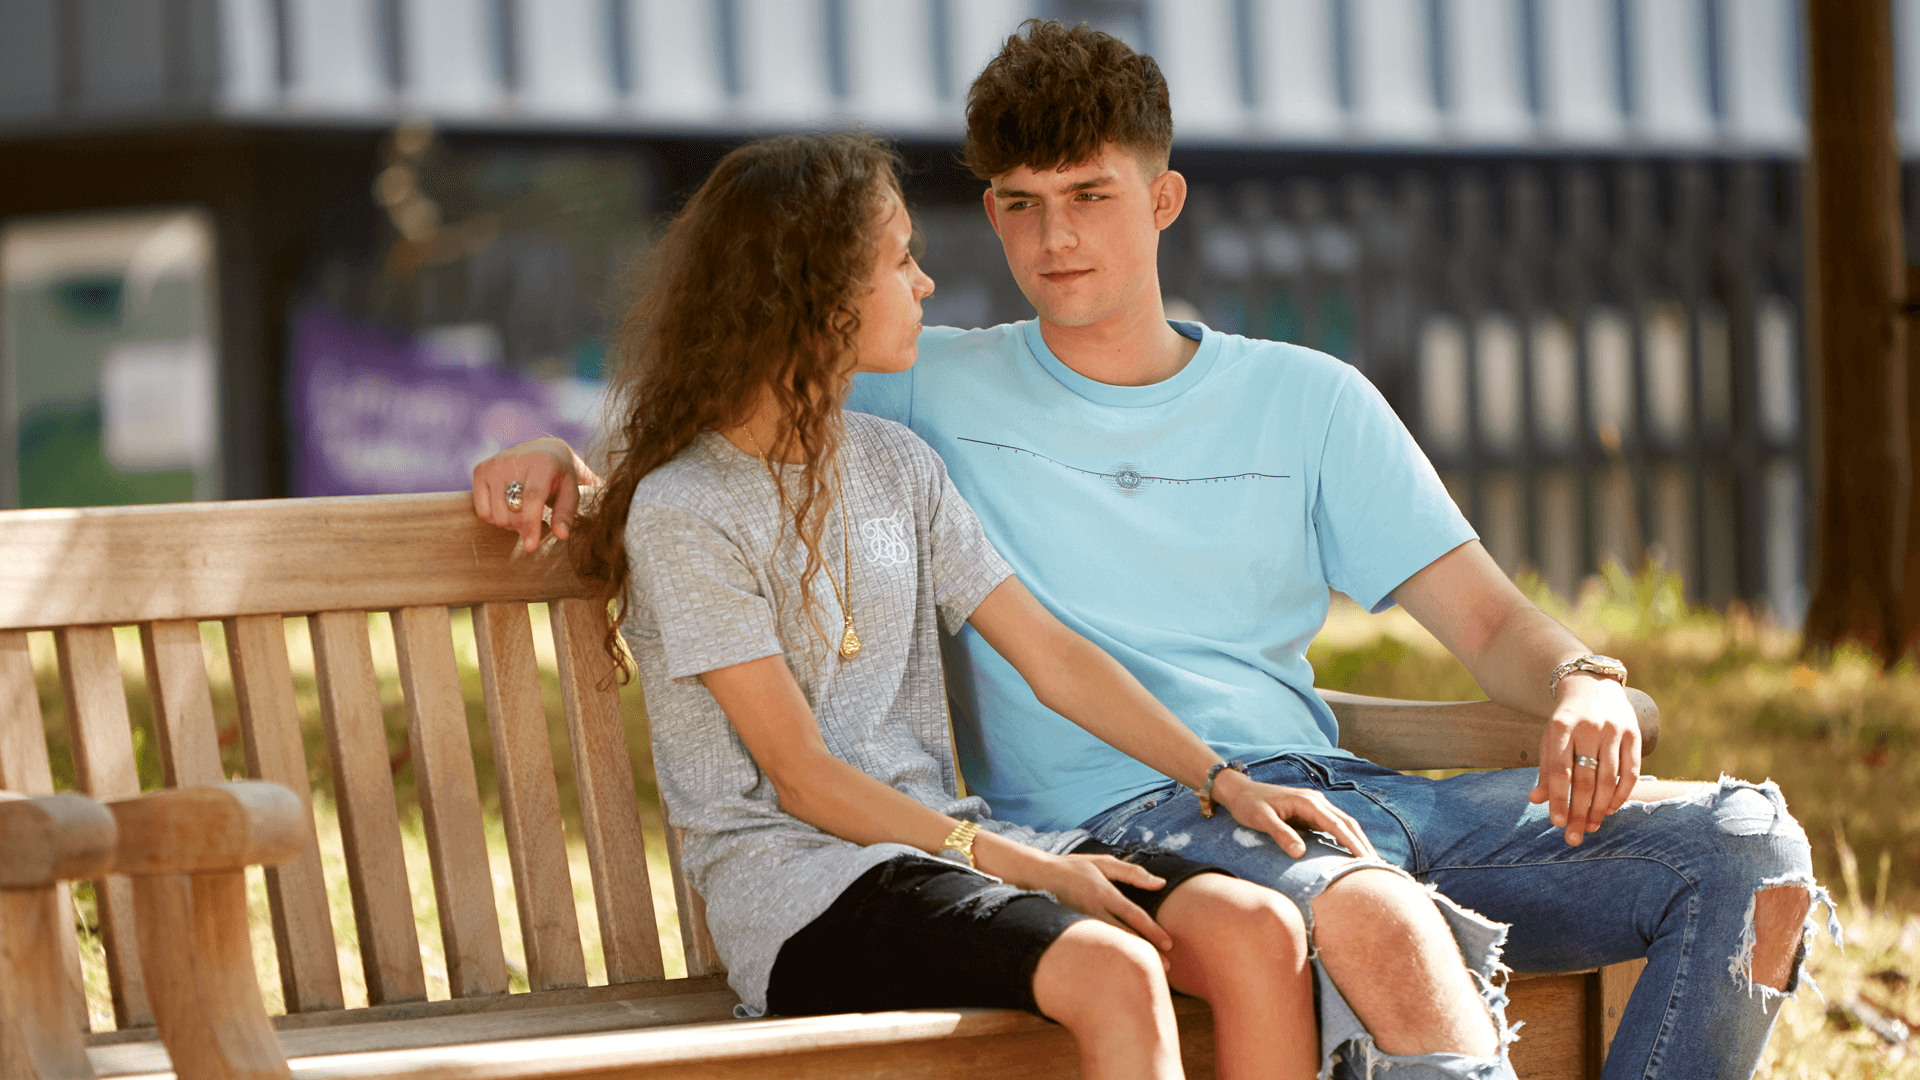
(157, 405)
(109, 361)
(380, 414)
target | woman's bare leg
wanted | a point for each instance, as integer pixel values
(1243, 948)
(1108, 987)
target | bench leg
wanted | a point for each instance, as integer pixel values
(1606, 1001)
(40, 995)
(198, 959)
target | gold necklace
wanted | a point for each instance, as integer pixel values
(849, 641)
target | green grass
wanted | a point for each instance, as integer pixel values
(1735, 695)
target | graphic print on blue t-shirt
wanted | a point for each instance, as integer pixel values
(1294, 476)
(1126, 476)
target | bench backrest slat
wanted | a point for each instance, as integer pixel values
(449, 801)
(529, 798)
(104, 766)
(696, 940)
(281, 556)
(25, 768)
(182, 702)
(369, 820)
(297, 890)
(603, 776)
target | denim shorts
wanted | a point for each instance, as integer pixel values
(917, 932)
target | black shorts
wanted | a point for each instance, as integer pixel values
(916, 932)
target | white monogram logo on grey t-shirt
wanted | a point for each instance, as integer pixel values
(886, 539)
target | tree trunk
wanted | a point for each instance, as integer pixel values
(1855, 286)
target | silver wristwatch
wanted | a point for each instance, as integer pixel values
(1604, 666)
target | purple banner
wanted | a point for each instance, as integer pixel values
(376, 415)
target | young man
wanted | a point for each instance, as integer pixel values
(1185, 499)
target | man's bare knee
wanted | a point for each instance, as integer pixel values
(1370, 902)
(1779, 914)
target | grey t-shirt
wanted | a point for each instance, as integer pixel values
(708, 589)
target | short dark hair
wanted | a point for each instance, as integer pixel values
(1055, 96)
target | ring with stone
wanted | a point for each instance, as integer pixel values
(1588, 762)
(513, 495)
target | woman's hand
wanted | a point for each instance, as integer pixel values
(1268, 808)
(1081, 882)
(1591, 718)
(549, 474)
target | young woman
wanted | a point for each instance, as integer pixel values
(784, 571)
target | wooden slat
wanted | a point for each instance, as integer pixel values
(25, 768)
(450, 802)
(696, 940)
(685, 1038)
(529, 800)
(603, 774)
(103, 758)
(296, 891)
(212, 560)
(182, 702)
(369, 822)
(1454, 734)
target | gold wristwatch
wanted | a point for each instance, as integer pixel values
(1604, 666)
(958, 846)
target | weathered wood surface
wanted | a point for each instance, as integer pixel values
(296, 890)
(1411, 735)
(449, 802)
(603, 777)
(529, 799)
(103, 758)
(48, 839)
(26, 770)
(278, 556)
(686, 1035)
(369, 822)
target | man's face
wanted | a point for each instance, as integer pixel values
(1082, 240)
(889, 336)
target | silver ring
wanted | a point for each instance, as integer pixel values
(1590, 762)
(513, 495)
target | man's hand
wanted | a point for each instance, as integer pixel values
(549, 474)
(1268, 808)
(1085, 884)
(1591, 718)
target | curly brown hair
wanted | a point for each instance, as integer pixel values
(752, 289)
(1054, 97)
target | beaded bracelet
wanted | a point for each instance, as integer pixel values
(1206, 793)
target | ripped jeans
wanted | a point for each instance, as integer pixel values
(1673, 881)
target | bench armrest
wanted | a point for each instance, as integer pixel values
(52, 838)
(208, 829)
(1454, 734)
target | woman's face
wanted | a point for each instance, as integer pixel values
(889, 336)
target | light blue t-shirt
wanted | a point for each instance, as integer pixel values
(1190, 528)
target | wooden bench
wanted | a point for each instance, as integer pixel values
(253, 566)
(185, 851)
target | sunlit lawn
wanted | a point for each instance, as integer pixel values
(1839, 736)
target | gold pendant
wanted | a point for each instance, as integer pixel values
(849, 644)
